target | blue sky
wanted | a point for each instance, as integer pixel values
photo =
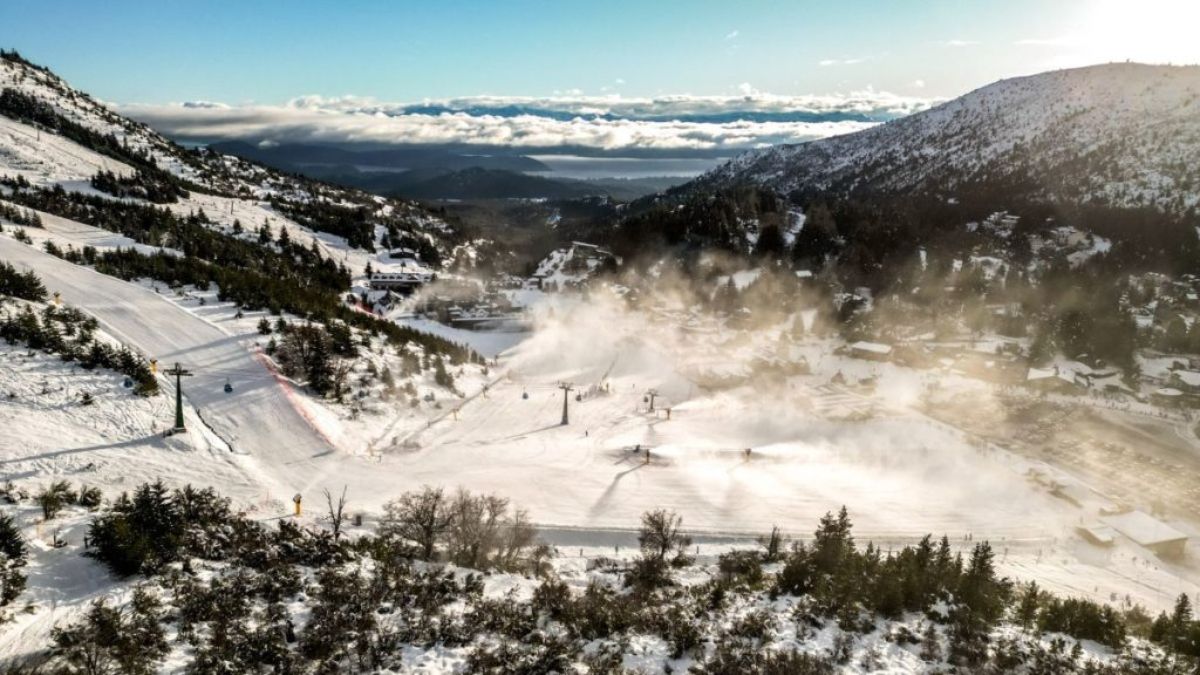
(263, 56)
(272, 51)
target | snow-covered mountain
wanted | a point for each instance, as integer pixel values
(227, 188)
(1117, 134)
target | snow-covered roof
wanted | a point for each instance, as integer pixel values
(1100, 533)
(873, 347)
(1189, 377)
(1143, 529)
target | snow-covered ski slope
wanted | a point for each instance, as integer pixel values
(586, 473)
(256, 418)
(900, 474)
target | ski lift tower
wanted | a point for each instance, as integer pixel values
(179, 373)
(566, 390)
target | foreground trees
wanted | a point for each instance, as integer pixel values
(477, 531)
(229, 594)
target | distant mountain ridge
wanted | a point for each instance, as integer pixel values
(298, 156)
(1116, 134)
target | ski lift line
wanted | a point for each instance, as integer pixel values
(373, 446)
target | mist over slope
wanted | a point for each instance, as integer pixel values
(1116, 134)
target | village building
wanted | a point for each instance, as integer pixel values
(1187, 381)
(1098, 534)
(1149, 532)
(871, 351)
(1054, 379)
(401, 282)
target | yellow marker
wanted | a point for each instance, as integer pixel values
(57, 299)
(296, 499)
(154, 366)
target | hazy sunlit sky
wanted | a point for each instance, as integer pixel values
(265, 55)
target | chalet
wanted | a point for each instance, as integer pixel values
(588, 251)
(1098, 534)
(1149, 532)
(1054, 379)
(1187, 381)
(402, 282)
(871, 351)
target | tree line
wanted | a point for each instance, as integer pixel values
(367, 596)
(69, 333)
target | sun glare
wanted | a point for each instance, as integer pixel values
(1152, 31)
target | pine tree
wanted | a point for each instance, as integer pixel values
(931, 645)
(13, 556)
(320, 366)
(1027, 609)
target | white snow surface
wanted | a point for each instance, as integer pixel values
(1134, 124)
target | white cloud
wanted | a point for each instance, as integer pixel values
(731, 35)
(839, 62)
(1059, 41)
(205, 104)
(608, 122)
(919, 84)
(961, 43)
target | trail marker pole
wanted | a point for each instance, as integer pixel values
(652, 393)
(179, 373)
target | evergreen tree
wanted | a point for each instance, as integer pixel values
(770, 244)
(817, 239)
(13, 556)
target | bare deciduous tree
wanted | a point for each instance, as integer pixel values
(336, 512)
(475, 530)
(478, 531)
(420, 517)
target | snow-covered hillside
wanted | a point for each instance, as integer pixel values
(229, 189)
(1120, 134)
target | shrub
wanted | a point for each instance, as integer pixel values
(740, 567)
(143, 532)
(55, 498)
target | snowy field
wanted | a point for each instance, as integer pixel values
(901, 474)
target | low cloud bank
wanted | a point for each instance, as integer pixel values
(608, 123)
